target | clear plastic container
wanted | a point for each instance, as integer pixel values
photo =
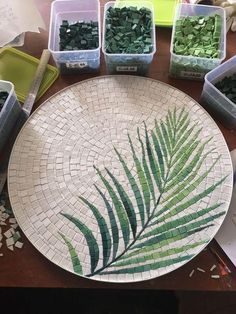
(9, 113)
(215, 102)
(137, 64)
(74, 61)
(191, 67)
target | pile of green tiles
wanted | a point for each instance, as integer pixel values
(3, 98)
(227, 86)
(198, 36)
(128, 30)
(78, 36)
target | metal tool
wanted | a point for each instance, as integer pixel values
(26, 110)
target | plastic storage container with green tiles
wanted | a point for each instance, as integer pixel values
(138, 63)
(9, 113)
(164, 10)
(19, 68)
(194, 67)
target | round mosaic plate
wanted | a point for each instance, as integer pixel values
(120, 178)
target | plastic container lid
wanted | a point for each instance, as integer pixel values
(19, 68)
(164, 10)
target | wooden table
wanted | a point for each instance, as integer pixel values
(28, 268)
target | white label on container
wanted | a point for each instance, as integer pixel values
(126, 69)
(194, 75)
(76, 65)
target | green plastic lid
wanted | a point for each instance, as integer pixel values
(19, 68)
(164, 10)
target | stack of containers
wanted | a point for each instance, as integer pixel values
(73, 11)
(135, 63)
(193, 67)
(214, 101)
(9, 113)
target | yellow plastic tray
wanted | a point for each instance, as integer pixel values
(19, 68)
(164, 10)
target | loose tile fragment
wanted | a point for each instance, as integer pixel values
(191, 274)
(213, 267)
(19, 244)
(215, 276)
(201, 270)
(10, 241)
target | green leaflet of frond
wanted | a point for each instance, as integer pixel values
(166, 136)
(184, 135)
(187, 186)
(180, 230)
(148, 267)
(134, 187)
(146, 169)
(106, 239)
(175, 116)
(171, 119)
(114, 227)
(182, 158)
(91, 241)
(122, 216)
(179, 221)
(182, 117)
(142, 179)
(187, 172)
(159, 155)
(171, 131)
(162, 142)
(164, 242)
(182, 129)
(153, 164)
(128, 206)
(157, 255)
(73, 255)
(185, 205)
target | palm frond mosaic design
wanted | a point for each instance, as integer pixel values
(151, 211)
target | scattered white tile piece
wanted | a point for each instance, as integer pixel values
(14, 226)
(8, 233)
(213, 267)
(5, 216)
(19, 244)
(215, 276)
(2, 223)
(201, 270)
(12, 220)
(10, 241)
(1, 254)
(192, 272)
(12, 231)
(11, 247)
